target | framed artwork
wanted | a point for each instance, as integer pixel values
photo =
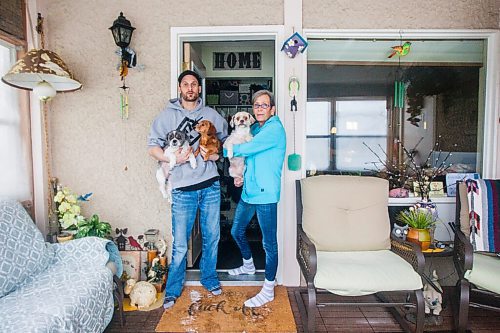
(436, 189)
(131, 264)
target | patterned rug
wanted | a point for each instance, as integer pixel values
(199, 311)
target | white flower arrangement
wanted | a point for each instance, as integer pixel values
(68, 209)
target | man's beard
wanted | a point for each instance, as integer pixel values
(190, 99)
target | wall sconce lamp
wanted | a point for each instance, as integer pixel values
(42, 71)
(122, 31)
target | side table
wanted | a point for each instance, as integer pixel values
(432, 253)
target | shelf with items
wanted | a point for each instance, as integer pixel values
(227, 92)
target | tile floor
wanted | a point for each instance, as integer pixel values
(335, 319)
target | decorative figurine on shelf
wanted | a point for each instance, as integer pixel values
(134, 244)
(294, 44)
(142, 293)
(400, 231)
(432, 297)
(161, 245)
(121, 240)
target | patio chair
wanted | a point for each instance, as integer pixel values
(475, 252)
(344, 247)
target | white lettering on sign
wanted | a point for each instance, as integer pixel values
(237, 60)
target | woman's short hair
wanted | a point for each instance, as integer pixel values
(263, 92)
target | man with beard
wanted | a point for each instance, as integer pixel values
(192, 189)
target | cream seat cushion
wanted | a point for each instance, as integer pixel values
(364, 273)
(485, 272)
(346, 213)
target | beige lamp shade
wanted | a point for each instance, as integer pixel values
(41, 65)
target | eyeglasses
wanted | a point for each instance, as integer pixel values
(263, 106)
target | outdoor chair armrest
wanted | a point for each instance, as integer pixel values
(462, 253)
(410, 252)
(306, 255)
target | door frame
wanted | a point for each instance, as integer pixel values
(179, 35)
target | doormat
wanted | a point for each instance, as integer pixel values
(197, 310)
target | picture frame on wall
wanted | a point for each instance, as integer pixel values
(131, 264)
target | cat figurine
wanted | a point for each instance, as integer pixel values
(400, 231)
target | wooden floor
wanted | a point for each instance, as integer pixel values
(336, 319)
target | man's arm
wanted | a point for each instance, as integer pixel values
(157, 153)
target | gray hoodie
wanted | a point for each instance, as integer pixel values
(175, 117)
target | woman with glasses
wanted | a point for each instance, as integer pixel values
(264, 157)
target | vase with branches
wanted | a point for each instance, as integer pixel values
(410, 169)
(424, 172)
(397, 173)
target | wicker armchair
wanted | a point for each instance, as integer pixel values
(478, 272)
(343, 237)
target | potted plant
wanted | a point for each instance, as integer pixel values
(420, 220)
(157, 273)
(93, 226)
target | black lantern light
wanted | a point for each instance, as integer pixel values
(122, 31)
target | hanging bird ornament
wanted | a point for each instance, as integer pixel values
(400, 50)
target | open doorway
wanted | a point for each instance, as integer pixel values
(232, 71)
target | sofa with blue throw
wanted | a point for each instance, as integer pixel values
(44, 287)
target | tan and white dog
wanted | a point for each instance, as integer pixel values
(240, 123)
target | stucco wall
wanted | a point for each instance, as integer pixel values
(401, 14)
(91, 145)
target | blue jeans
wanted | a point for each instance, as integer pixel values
(268, 220)
(184, 207)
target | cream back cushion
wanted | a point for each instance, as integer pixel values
(346, 213)
(464, 209)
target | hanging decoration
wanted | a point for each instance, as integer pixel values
(399, 91)
(400, 50)
(124, 101)
(294, 44)
(294, 160)
(122, 31)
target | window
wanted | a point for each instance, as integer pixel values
(358, 122)
(352, 103)
(15, 182)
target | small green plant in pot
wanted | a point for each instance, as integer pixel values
(93, 226)
(419, 221)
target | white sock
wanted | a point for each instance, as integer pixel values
(265, 295)
(247, 268)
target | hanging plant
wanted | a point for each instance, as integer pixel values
(427, 81)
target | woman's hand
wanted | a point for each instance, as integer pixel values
(238, 182)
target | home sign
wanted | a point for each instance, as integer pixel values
(237, 60)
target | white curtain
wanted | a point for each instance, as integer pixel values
(15, 180)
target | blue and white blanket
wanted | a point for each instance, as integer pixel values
(58, 287)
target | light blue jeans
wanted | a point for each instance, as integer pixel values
(268, 220)
(184, 207)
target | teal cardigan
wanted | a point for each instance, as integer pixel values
(264, 157)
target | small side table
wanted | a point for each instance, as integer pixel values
(447, 251)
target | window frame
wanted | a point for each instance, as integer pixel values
(491, 112)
